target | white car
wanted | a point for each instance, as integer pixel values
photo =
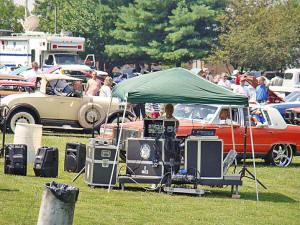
(53, 108)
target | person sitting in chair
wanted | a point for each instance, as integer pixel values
(225, 119)
(257, 117)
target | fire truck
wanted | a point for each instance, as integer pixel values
(47, 49)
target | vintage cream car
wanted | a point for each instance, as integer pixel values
(53, 108)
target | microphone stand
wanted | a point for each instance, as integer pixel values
(5, 112)
(244, 169)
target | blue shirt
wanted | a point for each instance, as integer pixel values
(262, 93)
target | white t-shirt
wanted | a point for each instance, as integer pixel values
(225, 83)
(105, 91)
(29, 75)
(242, 90)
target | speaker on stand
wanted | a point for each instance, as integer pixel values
(75, 157)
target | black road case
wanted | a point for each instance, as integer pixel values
(151, 158)
(204, 157)
(99, 164)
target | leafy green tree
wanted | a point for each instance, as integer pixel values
(9, 16)
(260, 34)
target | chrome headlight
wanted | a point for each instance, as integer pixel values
(109, 132)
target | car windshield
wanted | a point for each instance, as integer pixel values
(65, 87)
(197, 113)
(294, 96)
(68, 59)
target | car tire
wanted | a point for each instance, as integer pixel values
(113, 118)
(20, 116)
(88, 112)
(280, 155)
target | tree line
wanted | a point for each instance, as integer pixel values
(252, 34)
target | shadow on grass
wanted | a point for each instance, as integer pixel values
(222, 194)
(68, 134)
(263, 197)
(263, 164)
(9, 190)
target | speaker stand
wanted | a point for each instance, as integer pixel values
(244, 169)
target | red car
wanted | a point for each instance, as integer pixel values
(10, 84)
(274, 140)
(292, 116)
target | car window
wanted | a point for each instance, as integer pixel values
(198, 113)
(288, 76)
(267, 117)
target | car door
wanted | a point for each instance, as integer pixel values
(225, 132)
(69, 107)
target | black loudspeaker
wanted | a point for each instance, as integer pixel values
(152, 158)
(15, 159)
(99, 164)
(204, 157)
(74, 157)
(46, 162)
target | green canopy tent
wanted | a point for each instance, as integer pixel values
(175, 85)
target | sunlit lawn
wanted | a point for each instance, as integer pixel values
(20, 198)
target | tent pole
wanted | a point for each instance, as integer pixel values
(232, 132)
(111, 97)
(118, 145)
(252, 148)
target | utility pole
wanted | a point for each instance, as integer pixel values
(26, 9)
(55, 19)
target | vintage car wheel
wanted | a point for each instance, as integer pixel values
(20, 116)
(113, 118)
(90, 112)
(281, 155)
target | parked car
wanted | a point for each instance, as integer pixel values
(274, 141)
(290, 101)
(292, 116)
(10, 84)
(51, 107)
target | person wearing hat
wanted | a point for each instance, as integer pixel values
(242, 89)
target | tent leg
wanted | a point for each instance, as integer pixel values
(106, 119)
(118, 146)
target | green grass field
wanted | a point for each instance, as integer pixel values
(20, 198)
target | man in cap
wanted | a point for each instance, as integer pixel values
(262, 91)
(242, 89)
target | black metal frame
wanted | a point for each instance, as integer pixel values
(244, 169)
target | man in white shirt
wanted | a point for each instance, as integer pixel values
(224, 82)
(30, 75)
(242, 89)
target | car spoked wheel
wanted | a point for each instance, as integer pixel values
(20, 117)
(92, 116)
(90, 113)
(281, 155)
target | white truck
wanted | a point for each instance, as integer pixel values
(291, 82)
(46, 49)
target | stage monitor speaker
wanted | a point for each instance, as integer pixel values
(156, 127)
(99, 164)
(74, 157)
(204, 157)
(152, 158)
(15, 161)
(46, 162)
